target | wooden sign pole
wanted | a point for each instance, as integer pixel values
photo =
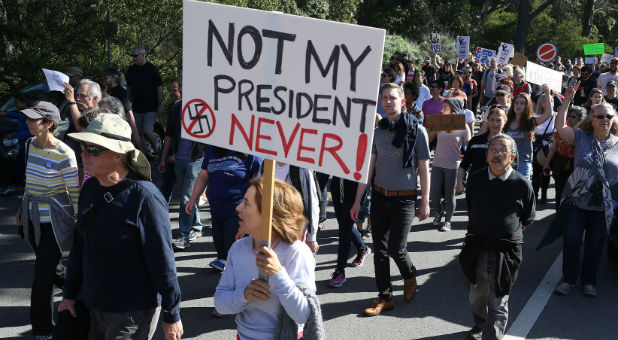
(268, 181)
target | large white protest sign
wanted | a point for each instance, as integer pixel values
(540, 75)
(484, 55)
(288, 88)
(55, 80)
(463, 47)
(606, 58)
(504, 53)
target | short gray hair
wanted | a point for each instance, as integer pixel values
(115, 105)
(508, 138)
(141, 49)
(94, 90)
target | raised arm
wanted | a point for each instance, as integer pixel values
(549, 108)
(565, 132)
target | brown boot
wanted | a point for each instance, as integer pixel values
(379, 307)
(409, 288)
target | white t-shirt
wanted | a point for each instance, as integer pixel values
(469, 116)
(281, 172)
(423, 95)
(605, 78)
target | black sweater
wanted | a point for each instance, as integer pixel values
(497, 209)
(125, 262)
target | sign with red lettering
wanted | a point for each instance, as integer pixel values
(288, 88)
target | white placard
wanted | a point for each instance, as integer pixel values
(540, 75)
(288, 88)
(590, 60)
(55, 80)
(504, 53)
(463, 47)
(606, 58)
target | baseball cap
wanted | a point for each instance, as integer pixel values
(463, 70)
(503, 89)
(74, 71)
(611, 83)
(43, 109)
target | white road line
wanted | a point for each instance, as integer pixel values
(536, 303)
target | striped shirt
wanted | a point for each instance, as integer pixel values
(49, 172)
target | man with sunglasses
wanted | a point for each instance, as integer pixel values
(586, 84)
(121, 264)
(145, 89)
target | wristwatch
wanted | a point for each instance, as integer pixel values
(72, 103)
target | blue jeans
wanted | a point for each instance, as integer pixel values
(365, 207)
(348, 233)
(224, 231)
(593, 223)
(391, 219)
(186, 174)
(525, 168)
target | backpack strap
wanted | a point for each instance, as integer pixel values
(87, 216)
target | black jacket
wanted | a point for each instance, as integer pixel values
(174, 119)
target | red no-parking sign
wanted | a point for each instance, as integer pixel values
(547, 52)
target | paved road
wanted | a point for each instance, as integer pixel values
(439, 311)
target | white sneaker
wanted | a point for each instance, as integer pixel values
(446, 226)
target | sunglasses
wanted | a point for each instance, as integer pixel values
(603, 116)
(575, 116)
(92, 150)
(500, 94)
(135, 55)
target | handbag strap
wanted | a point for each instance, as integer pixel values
(92, 211)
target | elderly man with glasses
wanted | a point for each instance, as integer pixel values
(500, 206)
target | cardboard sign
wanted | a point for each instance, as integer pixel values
(484, 55)
(288, 88)
(446, 122)
(519, 59)
(540, 75)
(55, 80)
(504, 53)
(463, 47)
(590, 49)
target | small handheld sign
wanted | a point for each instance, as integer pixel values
(547, 52)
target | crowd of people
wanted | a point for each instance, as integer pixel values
(91, 194)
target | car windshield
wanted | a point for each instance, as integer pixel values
(36, 93)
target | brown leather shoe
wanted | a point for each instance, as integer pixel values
(379, 307)
(409, 289)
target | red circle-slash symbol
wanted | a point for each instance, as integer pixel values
(547, 52)
(199, 117)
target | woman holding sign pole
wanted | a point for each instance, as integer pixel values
(286, 306)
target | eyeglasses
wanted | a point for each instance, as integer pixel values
(603, 116)
(383, 75)
(135, 55)
(92, 150)
(575, 116)
(498, 152)
(500, 94)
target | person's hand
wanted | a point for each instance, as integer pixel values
(18, 220)
(355, 211)
(523, 227)
(459, 188)
(569, 94)
(423, 210)
(69, 305)
(267, 261)
(189, 207)
(68, 92)
(257, 290)
(172, 331)
(171, 159)
(314, 246)
(161, 167)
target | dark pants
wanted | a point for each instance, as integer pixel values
(593, 223)
(168, 179)
(348, 233)
(224, 231)
(391, 221)
(539, 181)
(135, 325)
(559, 183)
(42, 299)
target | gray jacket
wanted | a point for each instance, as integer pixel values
(62, 219)
(313, 329)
